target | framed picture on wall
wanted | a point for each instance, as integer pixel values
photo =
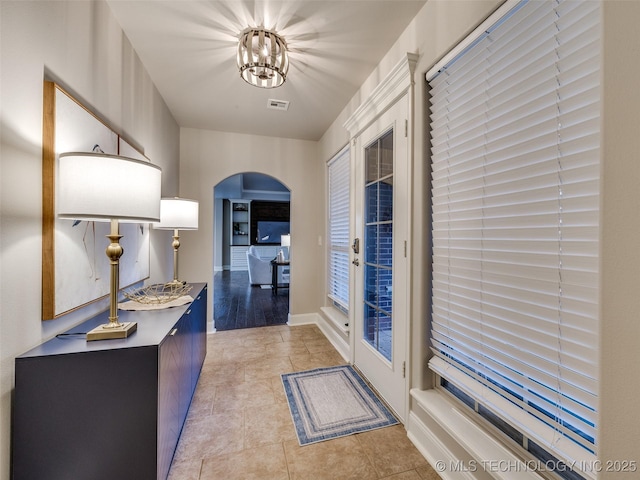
(75, 269)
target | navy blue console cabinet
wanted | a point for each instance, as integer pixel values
(108, 409)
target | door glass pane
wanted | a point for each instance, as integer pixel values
(385, 290)
(386, 154)
(385, 245)
(384, 335)
(370, 284)
(371, 245)
(378, 305)
(371, 159)
(371, 325)
(385, 199)
(371, 194)
(378, 242)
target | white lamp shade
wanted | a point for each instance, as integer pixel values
(101, 187)
(285, 240)
(178, 214)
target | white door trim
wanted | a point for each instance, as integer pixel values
(386, 94)
(391, 89)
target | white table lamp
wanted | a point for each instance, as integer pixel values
(177, 214)
(108, 188)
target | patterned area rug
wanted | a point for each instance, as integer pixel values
(327, 403)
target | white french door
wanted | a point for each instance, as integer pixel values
(379, 258)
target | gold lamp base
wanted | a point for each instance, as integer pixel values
(107, 331)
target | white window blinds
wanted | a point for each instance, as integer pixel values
(338, 268)
(515, 178)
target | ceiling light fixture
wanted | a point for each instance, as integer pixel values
(262, 58)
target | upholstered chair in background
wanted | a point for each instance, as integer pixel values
(259, 269)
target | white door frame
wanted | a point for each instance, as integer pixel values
(398, 84)
(385, 371)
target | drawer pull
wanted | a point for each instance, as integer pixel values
(173, 332)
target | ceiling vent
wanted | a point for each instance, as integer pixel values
(278, 104)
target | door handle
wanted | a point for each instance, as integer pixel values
(356, 262)
(356, 245)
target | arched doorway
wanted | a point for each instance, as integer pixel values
(251, 213)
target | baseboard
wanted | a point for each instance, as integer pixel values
(316, 319)
(303, 319)
(339, 343)
(457, 447)
(339, 320)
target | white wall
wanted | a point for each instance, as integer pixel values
(620, 238)
(208, 157)
(79, 45)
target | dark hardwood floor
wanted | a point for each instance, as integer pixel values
(237, 304)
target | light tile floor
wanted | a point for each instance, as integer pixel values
(239, 426)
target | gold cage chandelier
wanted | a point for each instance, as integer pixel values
(262, 58)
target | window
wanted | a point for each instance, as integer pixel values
(378, 244)
(515, 194)
(338, 244)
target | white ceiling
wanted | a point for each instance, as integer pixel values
(189, 49)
